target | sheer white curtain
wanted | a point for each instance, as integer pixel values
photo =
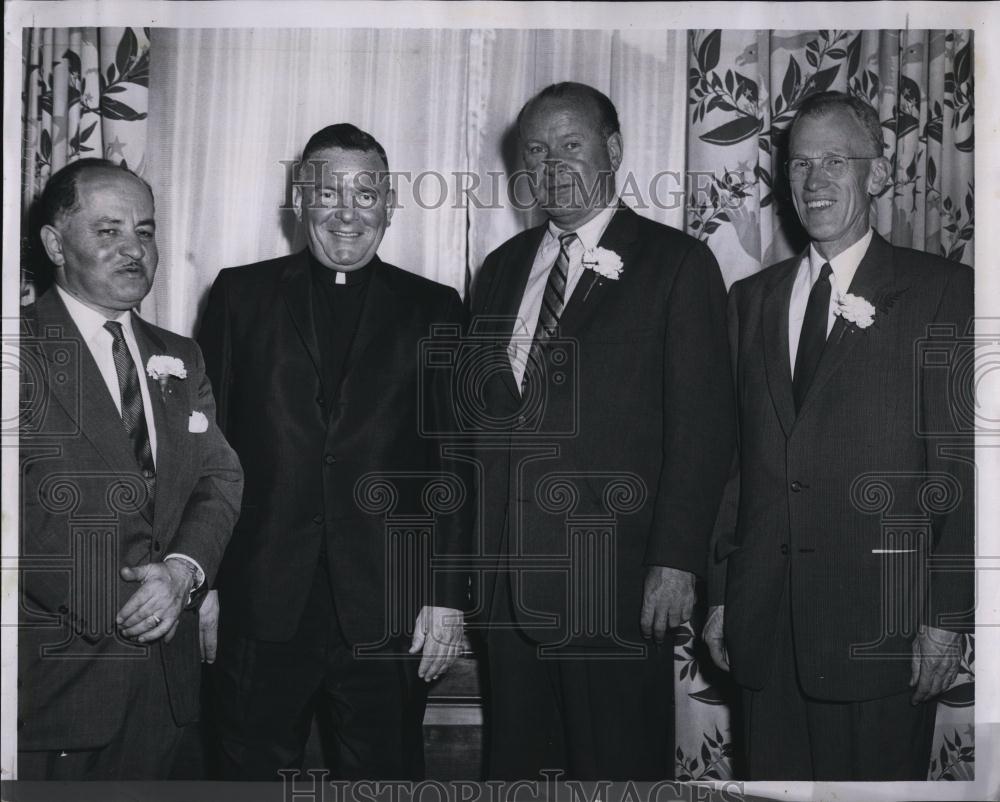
(643, 72)
(230, 108)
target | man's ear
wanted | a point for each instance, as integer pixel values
(615, 149)
(297, 201)
(878, 175)
(390, 205)
(52, 241)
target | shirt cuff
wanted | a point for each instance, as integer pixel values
(199, 574)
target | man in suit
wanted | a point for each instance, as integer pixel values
(128, 495)
(606, 436)
(826, 601)
(315, 360)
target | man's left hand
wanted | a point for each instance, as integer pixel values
(937, 655)
(208, 626)
(438, 633)
(667, 600)
(154, 608)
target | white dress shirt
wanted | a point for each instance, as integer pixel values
(588, 236)
(99, 340)
(844, 265)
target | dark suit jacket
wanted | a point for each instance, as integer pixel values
(305, 448)
(83, 517)
(633, 428)
(848, 498)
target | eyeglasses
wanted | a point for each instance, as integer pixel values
(834, 166)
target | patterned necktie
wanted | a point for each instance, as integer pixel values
(812, 339)
(553, 300)
(133, 417)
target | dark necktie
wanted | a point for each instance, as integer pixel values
(553, 300)
(812, 339)
(133, 417)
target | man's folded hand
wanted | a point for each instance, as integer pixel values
(153, 610)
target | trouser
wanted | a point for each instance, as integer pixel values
(790, 736)
(589, 718)
(266, 694)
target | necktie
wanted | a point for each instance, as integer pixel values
(812, 340)
(133, 417)
(553, 300)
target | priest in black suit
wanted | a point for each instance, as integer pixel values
(607, 425)
(839, 587)
(315, 360)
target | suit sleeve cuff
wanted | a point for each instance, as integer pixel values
(199, 574)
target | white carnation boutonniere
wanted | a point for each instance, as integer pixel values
(605, 263)
(162, 367)
(855, 310)
(859, 313)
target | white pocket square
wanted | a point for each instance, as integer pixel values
(197, 423)
(893, 551)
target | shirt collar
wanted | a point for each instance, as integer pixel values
(590, 233)
(844, 265)
(90, 321)
(328, 275)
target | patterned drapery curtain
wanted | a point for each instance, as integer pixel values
(85, 95)
(744, 88)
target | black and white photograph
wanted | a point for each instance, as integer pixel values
(500, 401)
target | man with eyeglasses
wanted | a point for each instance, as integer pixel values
(828, 614)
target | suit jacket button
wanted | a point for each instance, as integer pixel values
(784, 548)
(320, 400)
(329, 459)
(796, 486)
(317, 519)
(522, 419)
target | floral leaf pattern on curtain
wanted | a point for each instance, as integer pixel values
(744, 89)
(704, 751)
(85, 95)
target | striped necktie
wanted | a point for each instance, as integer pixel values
(553, 301)
(133, 417)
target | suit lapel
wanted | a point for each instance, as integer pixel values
(296, 287)
(169, 418)
(620, 237)
(500, 310)
(774, 317)
(77, 384)
(874, 276)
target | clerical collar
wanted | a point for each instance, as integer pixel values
(340, 278)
